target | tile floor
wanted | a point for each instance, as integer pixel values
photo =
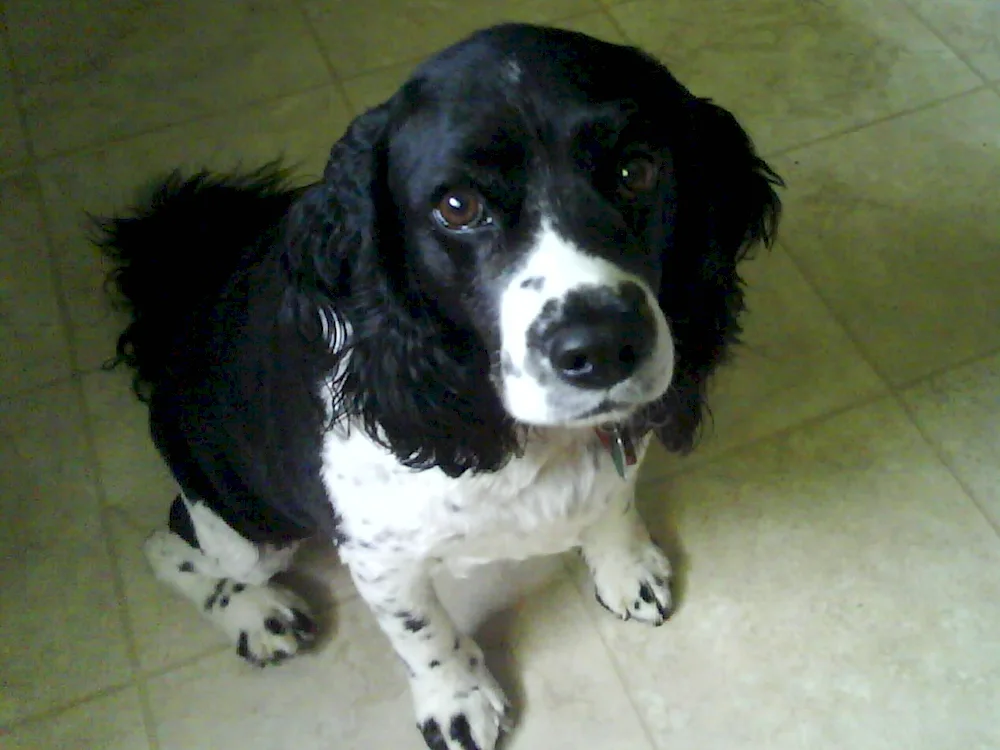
(836, 533)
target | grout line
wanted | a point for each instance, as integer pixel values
(89, 148)
(59, 709)
(904, 385)
(896, 393)
(593, 615)
(118, 579)
(18, 394)
(786, 150)
(331, 71)
(688, 466)
(932, 28)
(946, 462)
(164, 669)
(31, 169)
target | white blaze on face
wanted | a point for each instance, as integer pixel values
(531, 390)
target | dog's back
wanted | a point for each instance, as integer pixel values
(197, 266)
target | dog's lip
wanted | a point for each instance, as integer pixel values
(606, 407)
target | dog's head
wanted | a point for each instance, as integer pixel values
(540, 229)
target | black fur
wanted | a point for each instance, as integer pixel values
(231, 281)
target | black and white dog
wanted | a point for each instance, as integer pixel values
(454, 349)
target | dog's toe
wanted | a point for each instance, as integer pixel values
(460, 706)
(269, 624)
(636, 587)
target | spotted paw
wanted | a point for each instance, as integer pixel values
(268, 623)
(459, 705)
(635, 586)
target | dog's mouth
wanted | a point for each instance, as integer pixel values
(607, 410)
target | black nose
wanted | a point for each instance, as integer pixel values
(602, 339)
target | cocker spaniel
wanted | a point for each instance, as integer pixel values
(453, 349)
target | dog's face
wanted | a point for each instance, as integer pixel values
(536, 202)
(538, 228)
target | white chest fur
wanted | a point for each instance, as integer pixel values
(537, 504)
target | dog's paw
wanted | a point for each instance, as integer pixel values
(635, 585)
(459, 705)
(268, 623)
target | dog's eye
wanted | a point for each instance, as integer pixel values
(638, 174)
(460, 209)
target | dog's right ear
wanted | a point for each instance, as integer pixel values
(336, 218)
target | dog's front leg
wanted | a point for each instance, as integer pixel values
(631, 574)
(458, 704)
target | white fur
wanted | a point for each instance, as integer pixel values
(563, 492)
(562, 267)
(265, 621)
(226, 554)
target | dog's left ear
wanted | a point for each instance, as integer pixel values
(726, 206)
(735, 187)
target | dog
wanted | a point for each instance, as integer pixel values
(454, 348)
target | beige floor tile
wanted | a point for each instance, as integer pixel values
(360, 37)
(568, 692)
(960, 413)
(32, 338)
(370, 89)
(53, 41)
(841, 591)
(793, 71)
(112, 722)
(896, 226)
(62, 633)
(353, 693)
(173, 62)
(12, 146)
(133, 475)
(301, 127)
(796, 363)
(972, 27)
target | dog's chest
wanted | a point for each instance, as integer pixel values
(536, 504)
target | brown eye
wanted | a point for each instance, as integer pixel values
(638, 174)
(460, 209)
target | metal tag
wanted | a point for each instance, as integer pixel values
(619, 444)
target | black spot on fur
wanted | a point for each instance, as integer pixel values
(412, 623)
(646, 593)
(186, 567)
(462, 733)
(238, 587)
(243, 646)
(434, 664)
(303, 625)
(274, 626)
(533, 282)
(432, 735)
(216, 593)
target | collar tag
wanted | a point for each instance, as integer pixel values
(618, 442)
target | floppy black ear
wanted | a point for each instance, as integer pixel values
(336, 218)
(726, 205)
(414, 381)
